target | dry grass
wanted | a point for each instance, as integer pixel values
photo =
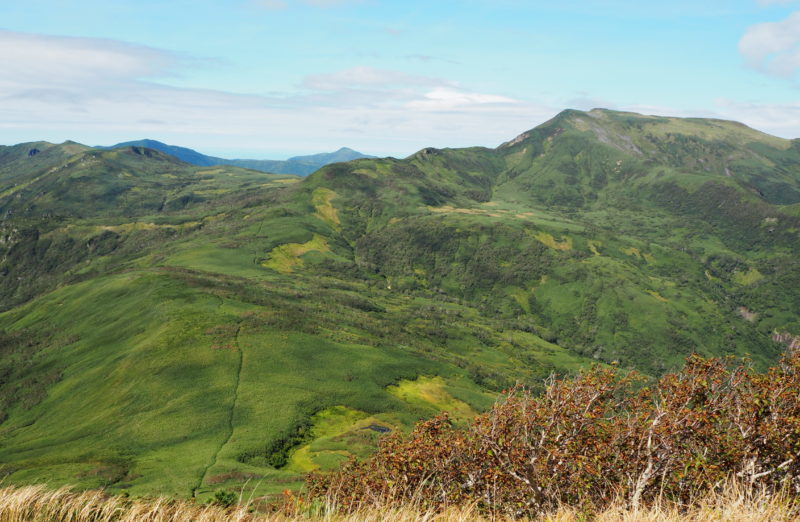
(39, 504)
(736, 504)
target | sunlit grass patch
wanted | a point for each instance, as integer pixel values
(658, 296)
(521, 297)
(337, 434)
(632, 251)
(286, 258)
(321, 199)
(430, 392)
(750, 277)
(550, 241)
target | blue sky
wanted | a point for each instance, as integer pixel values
(274, 78)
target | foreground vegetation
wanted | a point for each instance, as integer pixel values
(37, 504)
(592, 440)
(715, 441)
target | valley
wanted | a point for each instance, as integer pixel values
(168, 328)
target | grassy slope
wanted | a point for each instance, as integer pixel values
(239, 364)
(205, 327)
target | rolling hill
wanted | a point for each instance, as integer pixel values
(170, 328)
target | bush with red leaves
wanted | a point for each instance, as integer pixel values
(589, 440)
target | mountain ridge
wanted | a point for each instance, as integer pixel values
(215, 327)
(297, 165)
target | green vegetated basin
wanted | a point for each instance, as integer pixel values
(172, 329)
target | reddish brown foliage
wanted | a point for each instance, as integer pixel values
(590, 439)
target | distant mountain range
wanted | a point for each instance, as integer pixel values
(298, 165)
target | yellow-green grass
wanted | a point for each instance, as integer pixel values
(190, 382)
(594, 245)
(211, 258)
(331, 430)
(322, 199)
(550, 241)
(125, 228)
(521, 296)
(658, 296)
(751, 277)
(631, 251)
(431, 393)
(286, 258)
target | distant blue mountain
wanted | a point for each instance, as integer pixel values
(298, 165)
(182, 153)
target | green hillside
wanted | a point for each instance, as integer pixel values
(176, 329)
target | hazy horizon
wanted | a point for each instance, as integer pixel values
(280, 78)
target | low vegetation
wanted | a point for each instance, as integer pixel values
(714, 441)
(591, 441)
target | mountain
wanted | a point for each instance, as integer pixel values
(298, 165)
(182, 153)
(67, 193)
(326, 158)
(175, 329)
(19, 161)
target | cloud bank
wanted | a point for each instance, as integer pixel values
(103, 91)
(78, 87)
(773, 47)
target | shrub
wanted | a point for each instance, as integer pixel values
(225, 498)
(591, 439)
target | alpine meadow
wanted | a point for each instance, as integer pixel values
(181, 330)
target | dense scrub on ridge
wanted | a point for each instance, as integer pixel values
(590, 439)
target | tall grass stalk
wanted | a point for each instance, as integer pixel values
(736, 503)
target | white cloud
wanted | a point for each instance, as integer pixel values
(359, 77)
(67, 61)
(779, 119)
(446, 98)
(773, 47)
(416, 96)
(101, 91)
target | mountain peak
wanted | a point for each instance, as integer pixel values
(636, 133)
(324, 158)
